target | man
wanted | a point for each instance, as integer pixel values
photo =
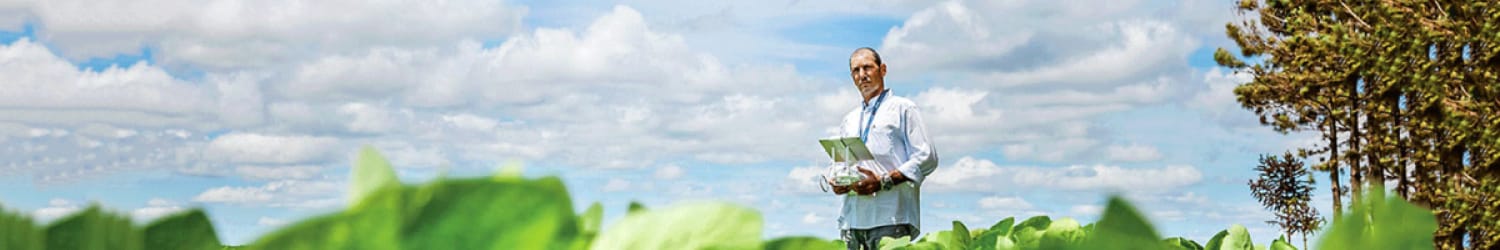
(884, 205)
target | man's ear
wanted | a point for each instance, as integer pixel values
(882, 69)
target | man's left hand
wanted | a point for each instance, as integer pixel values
(869, 185)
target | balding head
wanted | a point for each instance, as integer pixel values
(867, 71)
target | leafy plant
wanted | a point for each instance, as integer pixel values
(507, 211)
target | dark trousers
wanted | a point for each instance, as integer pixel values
(869, 239)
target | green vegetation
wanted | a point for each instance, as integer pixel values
(1405, 92)
(509, 212)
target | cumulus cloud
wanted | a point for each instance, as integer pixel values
(43, 88)
(970, 173)
(261, 33)
(615, 185)
(56, 208)
(278, 172)
(669, 172)
(272, 222)
(271, 149)
(302, 194)
(155, 208)
(1132, 153)
(999, 202)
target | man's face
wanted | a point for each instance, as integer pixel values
(868, 76)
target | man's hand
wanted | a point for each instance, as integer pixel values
(869, 185)
(838, 190)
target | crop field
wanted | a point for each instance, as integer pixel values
(506, 211)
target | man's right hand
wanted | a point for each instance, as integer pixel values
(838, 190)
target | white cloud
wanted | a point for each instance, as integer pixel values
(813, 218)
(270, 222)
(668, 172)
(1132, 153)
(56, 208)
(805, 179)
(270, 149)
(278, 172)
(471, 122)
(969, 173)
(368, 118)
(615, 185)
(308, 194)
(43, 88)
(1218, 100)
(1143, 46)
(1007, 203)
(234, 34)
(950, 33)
(243, 195)
(155, 208)
(1086, 210)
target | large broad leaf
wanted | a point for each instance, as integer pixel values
(486, 214)
(997, 235)
(1234, 238)
(1182, 243)
(371, 172)
(19, 232)
(1028, 233)
(185, 230)
(93, 228)
(1281, 244)
(685, 226)
(323, 232)
(889, 243)
(803, 242)
(1380, 222)
(375, 223)
(1062, 234)
(635, 207)
(589, 224)
(1003, 226)
(1122, 227)
(958, 238)
(1217, 240)
(993, 239)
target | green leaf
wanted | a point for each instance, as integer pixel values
(322, 232)
(1003, 226)
(1062, 234)
(635, 207)
(686, 226)
(371, 173)
(1234, 238)
(93, 228)
(1028, 234)
(959, 238)
(1035, 222)
(1182, 243)
(483, 214)
(185, 230)
(1380, 222)
(19, 232)
(1217, 240)
(803, 242)
(1122, 227)
(589, 224)
(1281, 244)
(590, 221)
(889, 243)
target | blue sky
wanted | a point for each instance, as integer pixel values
(253, 110)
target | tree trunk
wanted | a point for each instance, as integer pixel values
(1333, 169)
(1356, 172)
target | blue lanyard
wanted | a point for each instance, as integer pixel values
(864, 132)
